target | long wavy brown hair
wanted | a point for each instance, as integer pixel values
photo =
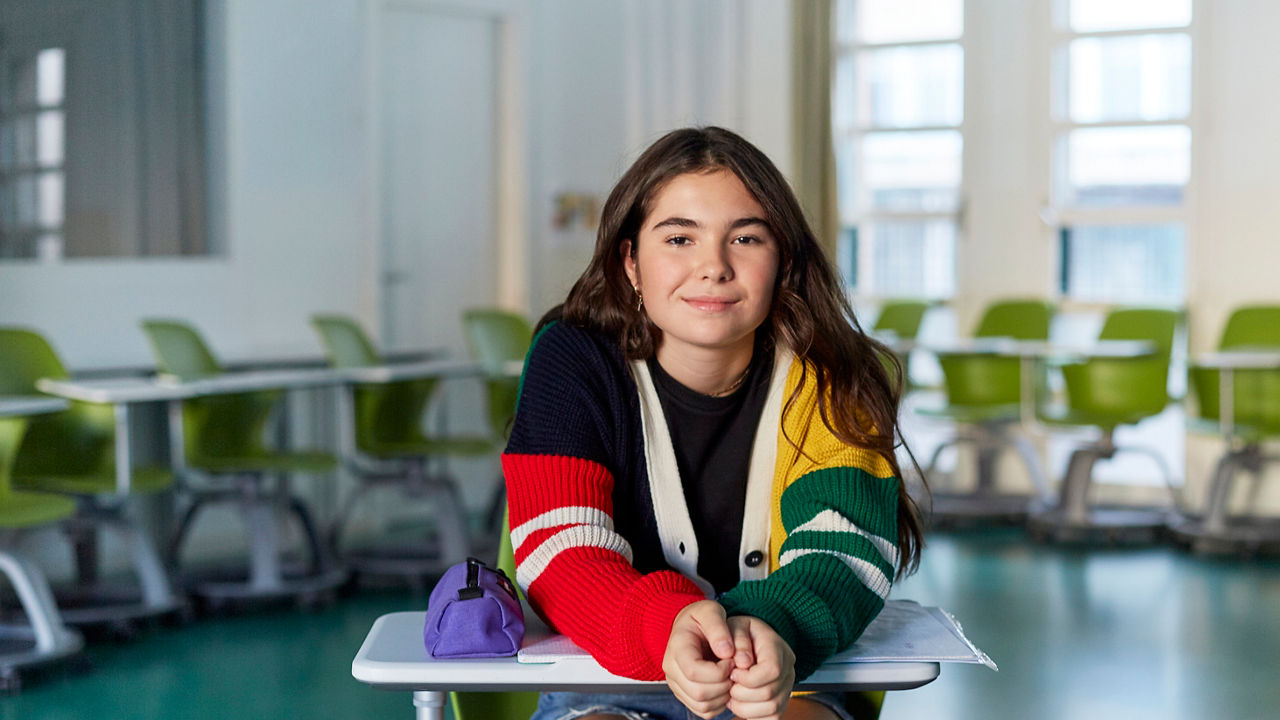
(858, 395)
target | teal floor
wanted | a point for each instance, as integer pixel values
(1103, 634)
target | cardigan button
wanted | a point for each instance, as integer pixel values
(681, 548)
(754, 558)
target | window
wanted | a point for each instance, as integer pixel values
(1122, 148)
(32, 151)
(102, 129)
(898, 105)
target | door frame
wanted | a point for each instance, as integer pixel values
(511, 191)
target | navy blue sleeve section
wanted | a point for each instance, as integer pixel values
(575, 398)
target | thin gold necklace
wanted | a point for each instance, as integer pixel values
(736, 383)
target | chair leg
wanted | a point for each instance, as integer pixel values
(319, 558)
(1215, 516)
(454, 543)
(265, 573)
(173, 553)
(157, 591)
(1035, 471)
(36, 599)
(1074, 496)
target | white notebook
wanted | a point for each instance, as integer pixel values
(904, 631)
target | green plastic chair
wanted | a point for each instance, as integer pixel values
(72, 453)
(1256, 420)
(392, 451)
(983, 393)
(223, 439)
(902, 318)
(1105, 393)
(496, 339)
(1256, 392)
(21, 513)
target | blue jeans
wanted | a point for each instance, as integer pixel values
(644, 705)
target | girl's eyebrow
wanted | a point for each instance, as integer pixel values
(675, 221)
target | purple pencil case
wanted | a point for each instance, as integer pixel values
(473, 611)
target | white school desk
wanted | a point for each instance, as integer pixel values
(393, 657)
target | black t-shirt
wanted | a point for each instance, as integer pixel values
(713, 438)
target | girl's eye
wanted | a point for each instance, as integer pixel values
(678, 240)
(746, 239)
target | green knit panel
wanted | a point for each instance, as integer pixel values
(818, 602)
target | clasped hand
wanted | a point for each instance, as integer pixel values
(740, 663)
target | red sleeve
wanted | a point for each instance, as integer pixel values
(577, 571)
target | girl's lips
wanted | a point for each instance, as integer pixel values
(710, 304)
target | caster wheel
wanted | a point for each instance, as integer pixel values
(10, 682)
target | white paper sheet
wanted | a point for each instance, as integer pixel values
(904, 631)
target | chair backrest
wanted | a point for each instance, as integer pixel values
(901, 317)
(984, 380)
(179, 350)
(385, 414)
(215, 428)
(345, 342)
(1256, 396)
(497, 337)
(74, 442)
(1126, 389)
(1020, 319)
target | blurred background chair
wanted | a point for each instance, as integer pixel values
(1105, 393)
(391, 451)
(39, 636)
(1255, 405)
(983, 396)
(897, 325)
(223, 441)
(498, 339)
(72, 453)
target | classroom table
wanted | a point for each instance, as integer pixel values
(393, 658)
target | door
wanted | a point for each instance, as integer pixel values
(437, 98)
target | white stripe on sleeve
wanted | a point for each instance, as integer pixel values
(568, 515)
(832, 521)
(869, 574)
(572, 537)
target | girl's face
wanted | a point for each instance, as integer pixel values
(704, 262)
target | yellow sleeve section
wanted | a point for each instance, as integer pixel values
(805, 444)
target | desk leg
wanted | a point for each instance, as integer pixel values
(1226, 404)
(124, 471)
(429, 704)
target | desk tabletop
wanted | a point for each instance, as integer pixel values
(393, 657)
(1011, 347)
(1241, 359)
(155, 389)
(21, 405)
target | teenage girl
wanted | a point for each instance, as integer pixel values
(701, 473)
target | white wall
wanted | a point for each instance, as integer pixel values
(608, 78)
(1235, 250)
(290, 200)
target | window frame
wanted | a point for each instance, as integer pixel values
(853, 221)
(10, 176)
(1060, 215)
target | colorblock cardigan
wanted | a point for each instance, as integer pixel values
(604, 547)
